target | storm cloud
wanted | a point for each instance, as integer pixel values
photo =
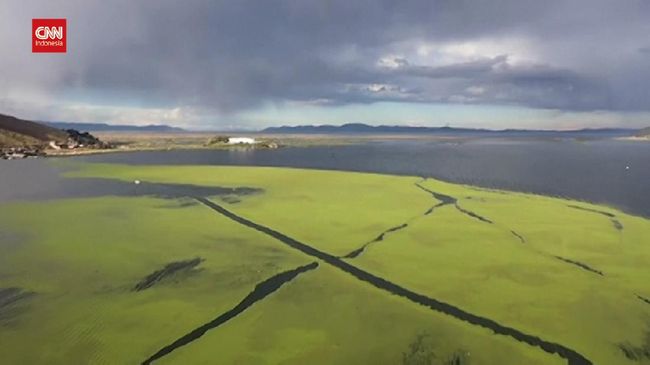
(226, 57)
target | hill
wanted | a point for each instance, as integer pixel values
(644, 133)
(359, 128)
(16, 132)
(103, 127)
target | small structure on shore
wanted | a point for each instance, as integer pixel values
(217, 141)
(241, 140)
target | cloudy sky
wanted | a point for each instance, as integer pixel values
(249, 64)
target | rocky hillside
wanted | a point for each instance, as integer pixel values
(16, 132)
(22, 138)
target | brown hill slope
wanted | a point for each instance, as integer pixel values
(645, 132)
(16, 132)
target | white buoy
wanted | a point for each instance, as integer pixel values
(137, 182)
(627, 167)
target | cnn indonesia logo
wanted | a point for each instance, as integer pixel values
(49, 35)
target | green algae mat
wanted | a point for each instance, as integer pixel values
(256, 265)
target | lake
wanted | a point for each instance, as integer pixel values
(615, 173)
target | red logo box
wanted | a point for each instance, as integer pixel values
(49, 35)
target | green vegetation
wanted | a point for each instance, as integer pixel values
(85, 258)
(327, 317)
(116, 279)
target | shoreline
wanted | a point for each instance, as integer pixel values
(635, 139)
(140, 142)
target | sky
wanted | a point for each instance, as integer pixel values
(243, 64)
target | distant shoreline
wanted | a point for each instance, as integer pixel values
(169, 141)
(166, 141)
(637, 139)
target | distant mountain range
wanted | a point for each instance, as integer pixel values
(102, 127)
(15, 132)
(359, 128)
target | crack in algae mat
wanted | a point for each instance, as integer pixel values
(270, 285)
(261, 291)
(444, 200)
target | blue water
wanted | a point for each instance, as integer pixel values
(615, 173)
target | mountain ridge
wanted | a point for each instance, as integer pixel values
(388, 129)
(105, 127)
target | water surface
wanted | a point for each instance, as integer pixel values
(615, 173)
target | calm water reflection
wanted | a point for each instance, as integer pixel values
(616, 173)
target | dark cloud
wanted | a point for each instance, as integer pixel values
(235, 55)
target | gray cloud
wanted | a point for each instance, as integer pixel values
(230, 56)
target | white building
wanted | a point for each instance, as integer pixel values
(241, 140)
